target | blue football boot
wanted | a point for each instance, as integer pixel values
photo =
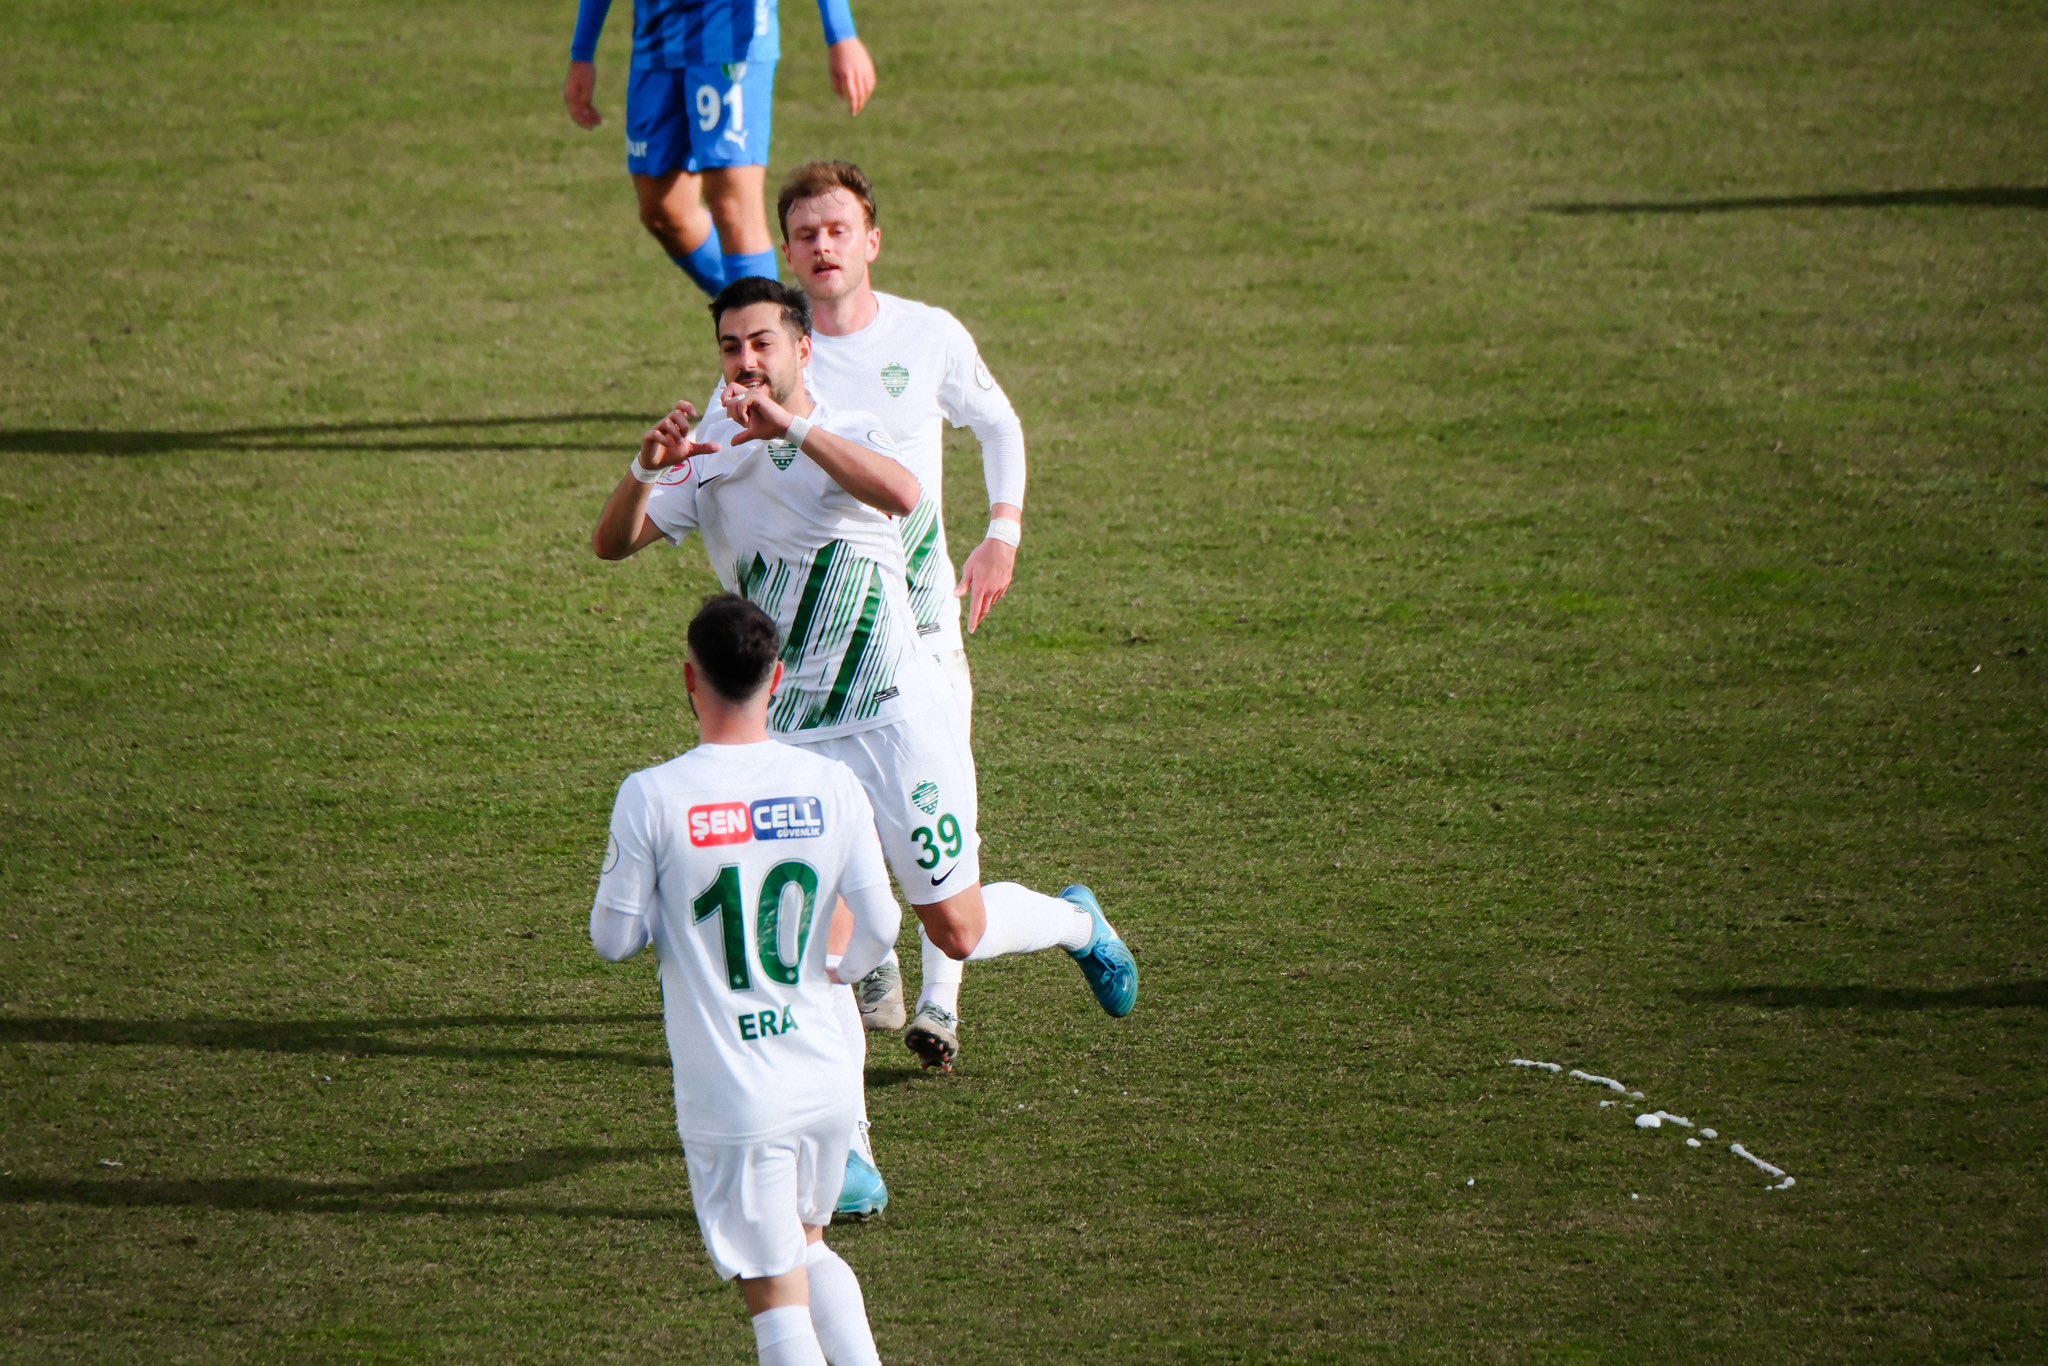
(1107, 963)
(865, 1194)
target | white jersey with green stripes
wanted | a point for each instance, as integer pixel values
(916, 367)
(827, 567)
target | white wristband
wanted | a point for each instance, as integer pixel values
(799, 428)
(1008, 530)
(642, 473)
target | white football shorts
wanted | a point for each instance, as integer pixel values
(754, 1200)
(954, 664)
(919, 777)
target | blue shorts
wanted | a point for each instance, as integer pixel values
(699, 118)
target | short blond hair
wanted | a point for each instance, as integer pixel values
(815, 178)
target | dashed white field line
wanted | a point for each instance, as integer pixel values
(1766, 1168)
(1609, 1082)
(1657, 1119)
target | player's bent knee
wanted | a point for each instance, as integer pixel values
(659, 219)
(669, 209)
(951, 937)
(735, 205)
(955, 926)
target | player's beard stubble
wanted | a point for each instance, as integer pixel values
(782, 392)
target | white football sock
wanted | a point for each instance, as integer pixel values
(784, 1337)
(832, 961)
(1023, 921)
(838, 1311)
(941, 975)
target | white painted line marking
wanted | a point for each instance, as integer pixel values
(1609, 1082)
(1657, 1119)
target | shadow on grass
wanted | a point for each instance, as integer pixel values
(364, 1038)
(425, 1192)
(1992, 996)
(1983, 197)
(459, 435)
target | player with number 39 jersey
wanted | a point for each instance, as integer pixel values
(783, 534)
(910, 367)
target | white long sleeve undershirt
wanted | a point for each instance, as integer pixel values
(1002, 460)
(616, 935)
(876, 919)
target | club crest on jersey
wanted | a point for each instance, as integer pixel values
(720, 823)
(981, 374)
(788, 818)
(674, 474)
(925, 797)
(895, 379)
(782, 453)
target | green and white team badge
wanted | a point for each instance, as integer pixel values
(782, 453)
(895, 379)
(925, 797)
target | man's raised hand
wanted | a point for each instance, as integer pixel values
(760, 417)
(669, 442)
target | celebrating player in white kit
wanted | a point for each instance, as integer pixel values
(723, 859)
(916, 368)
(794, 500)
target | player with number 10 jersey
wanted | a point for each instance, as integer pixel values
(736, 850)
(721, 859)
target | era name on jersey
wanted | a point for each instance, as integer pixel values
(766, 1024)
(772, 818)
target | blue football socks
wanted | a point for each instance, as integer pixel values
(760, 263)
(706, 265)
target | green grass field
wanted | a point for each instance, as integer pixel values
(1538, 547)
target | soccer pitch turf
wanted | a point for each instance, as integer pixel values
(1537, 548)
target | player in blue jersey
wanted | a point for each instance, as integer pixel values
(699, 113)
